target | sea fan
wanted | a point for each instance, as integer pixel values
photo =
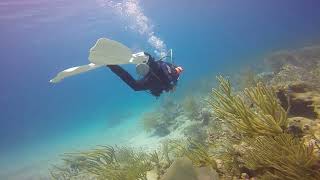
(262, 115)
(281, 157)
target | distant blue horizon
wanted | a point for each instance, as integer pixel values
(41, 38)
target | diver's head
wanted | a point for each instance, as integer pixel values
(179, 70)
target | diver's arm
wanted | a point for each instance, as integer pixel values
(127, 78)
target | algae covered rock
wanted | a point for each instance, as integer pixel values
(191, 107)
(163, 119)
(282, 157)
(290, 74)
(307, 58)
(256, 112)
(301, 99)
(195, 131)
(206, 173)
(304, 127)
(182, 169)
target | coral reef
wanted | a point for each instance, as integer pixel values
(301, 99)
(263, 148)
(264, 127)
(263, 115)
(282, 157)
(162, 120)
(106, 162)
(296, 80)
(245, 78)
(306, 58)
(191, 107)
(198, 153)
(167, 117)
(195, 131)
(151, 120)
(301, 65)
(251, 136)
(181, 169)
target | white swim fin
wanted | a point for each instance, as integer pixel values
(109, 52)
(104, 52)
(74, 71)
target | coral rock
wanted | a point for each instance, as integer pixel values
(307, 58)
(206, 173)
(303, 100)
(181, 169)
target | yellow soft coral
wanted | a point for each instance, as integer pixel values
(262, 115)
(281, 157)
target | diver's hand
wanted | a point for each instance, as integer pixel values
(138, 58)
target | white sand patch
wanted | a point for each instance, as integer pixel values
(150, 143)
(129, 133)
(33, 163)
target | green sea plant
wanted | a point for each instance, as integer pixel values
(151, 120)
(162, 119)
(257, 112)
(223, 144)
(195, 131)
(63, 173)
(230, 160)
(281, 157)
(108, 163)
(198, 153)
(316, 70)
(191, 107)
(155, 159)
(247, 78)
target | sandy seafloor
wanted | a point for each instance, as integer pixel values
(129, 133)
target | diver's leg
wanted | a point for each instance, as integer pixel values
(126, 77)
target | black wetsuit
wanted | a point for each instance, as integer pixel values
(162, 76)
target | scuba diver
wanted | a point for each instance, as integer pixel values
(156, 76)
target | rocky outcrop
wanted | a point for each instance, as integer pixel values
(306, 58)
(182, 169)
(300, 99)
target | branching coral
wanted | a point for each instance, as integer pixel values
(248, 136)
(196, 152)
(290, 74)
(282, 157)
(106, 163)
(263, 115)
(306, 58)
(191, 107)
(246, 79)
(150, 121)
(196, 132)
(170, 108)
(223, 147)
(301, 65)
(266, 150)
(162, 120)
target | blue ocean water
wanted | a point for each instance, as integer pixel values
(40, 38)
